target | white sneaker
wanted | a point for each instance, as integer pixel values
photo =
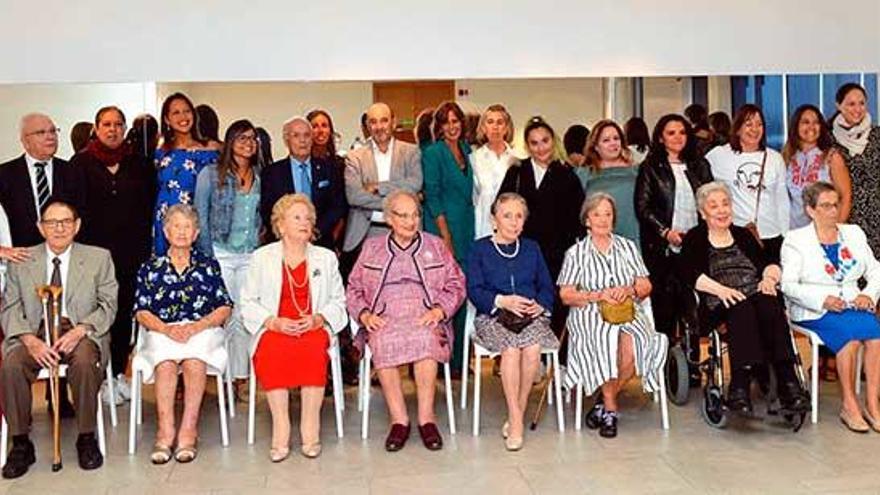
(123, 389)
(105, 395)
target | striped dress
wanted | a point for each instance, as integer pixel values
(592, 350)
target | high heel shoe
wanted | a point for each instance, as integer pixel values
(278, 454)
(312, 450)
(513, 444)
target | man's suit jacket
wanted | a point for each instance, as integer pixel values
(360, 168)
(328, 195)
(17, 196)
(90, 295)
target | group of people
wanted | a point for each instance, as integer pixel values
(232, 263)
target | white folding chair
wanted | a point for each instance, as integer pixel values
(136, 412)
(364, 387)
(62, 372)
(481, 352)
(815, 342)
(658, 396)
(338, 392)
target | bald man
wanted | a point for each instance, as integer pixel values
(372, 173)
(27, 182)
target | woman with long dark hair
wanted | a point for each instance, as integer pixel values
(667, 210)
(180, 158)
(228, 202)
(810, 155)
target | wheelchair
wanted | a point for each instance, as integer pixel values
(713, 406)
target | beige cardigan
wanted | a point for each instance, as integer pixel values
(261, 292)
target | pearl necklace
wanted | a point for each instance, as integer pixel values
(502, 253)
(292, 285)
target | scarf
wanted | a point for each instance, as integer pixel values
(105, 155)
(854, 138)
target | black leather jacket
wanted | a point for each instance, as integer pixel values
(655, 200)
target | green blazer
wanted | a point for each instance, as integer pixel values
(449, 191)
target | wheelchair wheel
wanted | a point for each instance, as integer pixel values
(677, 376)
(712, 408)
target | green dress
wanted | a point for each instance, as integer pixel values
(449, 191)
(620, 183)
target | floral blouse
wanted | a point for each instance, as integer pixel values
(176, 170)
(176, 297)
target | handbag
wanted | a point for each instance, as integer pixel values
(512, 322)
(752, 226)
(619, 313)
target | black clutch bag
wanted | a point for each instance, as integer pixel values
(513, 323)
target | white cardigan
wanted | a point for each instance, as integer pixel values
(804, 280)
(261, 292)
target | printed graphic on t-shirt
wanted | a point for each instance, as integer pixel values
(748, 177)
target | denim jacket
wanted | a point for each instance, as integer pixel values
(215, 206)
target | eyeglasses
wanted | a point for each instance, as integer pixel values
(407, 216)
(64, 223)
(52, 131)
(245, 138)
(827, 206)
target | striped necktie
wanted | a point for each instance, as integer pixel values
(42, 186)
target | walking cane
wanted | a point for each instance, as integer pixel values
(50, 295)
(551, 375)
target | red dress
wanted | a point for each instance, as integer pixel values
(286, 361)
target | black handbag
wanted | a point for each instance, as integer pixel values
(513, 323)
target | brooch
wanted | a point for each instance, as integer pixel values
(316, 273)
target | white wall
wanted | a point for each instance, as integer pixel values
(269, 105)
(67, 104)
(562, 102)
(664, 95)
(222, 40)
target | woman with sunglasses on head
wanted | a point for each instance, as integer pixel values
(227, 199)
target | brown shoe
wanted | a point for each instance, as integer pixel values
(431, 436)
(854, 423)
(397, 437)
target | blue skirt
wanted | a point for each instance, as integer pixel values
(838, 329)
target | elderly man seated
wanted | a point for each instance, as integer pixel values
(88, 309)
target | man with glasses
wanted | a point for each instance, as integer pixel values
(27, 182)
(303, 173)
(26, 185)
(86, 276)
(371, 174)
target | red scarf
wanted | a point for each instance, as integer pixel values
(105, 155)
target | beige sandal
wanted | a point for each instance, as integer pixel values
(161, 454)
(187, 454)
(312, 450)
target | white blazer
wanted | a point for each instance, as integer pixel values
(261, 292)
(805, 282)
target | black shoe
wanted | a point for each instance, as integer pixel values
(594, 416)
(608, 428)
(793, 398)
(20, 458)
(88, 452)
(738, 400)
(397, 437)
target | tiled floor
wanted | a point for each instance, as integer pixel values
(747, 457)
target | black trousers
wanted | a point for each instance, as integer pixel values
(757, 332)
(120, 330)
(673, 303)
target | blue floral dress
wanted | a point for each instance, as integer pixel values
(179, 298)
(177, 171)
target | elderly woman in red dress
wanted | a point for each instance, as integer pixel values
(293, 300)
(404, 290)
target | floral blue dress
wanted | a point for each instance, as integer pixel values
(177, 171)
(177, 298)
